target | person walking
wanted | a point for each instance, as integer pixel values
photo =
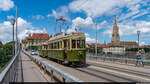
(139, 58)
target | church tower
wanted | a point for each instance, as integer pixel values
(115, 32)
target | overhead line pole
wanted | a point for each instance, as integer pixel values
(16, 29)
(96, 36)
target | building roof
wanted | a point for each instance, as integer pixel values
(39, 36)
(113, 45)
(128, 43)
(11, 42)
(144, 47)
(98, 45)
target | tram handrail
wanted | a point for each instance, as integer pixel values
(66, 76)
(118, 58)
(6, 69)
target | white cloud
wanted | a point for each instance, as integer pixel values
(10, 17)
(142, 43)
(90, 40)
(84, 24)
(5, 5)
(99, 7)
(130, 28)
(24, 28)
(62, 11)
(38, 17)
(26, 32)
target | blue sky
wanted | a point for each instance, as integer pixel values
(39, 16)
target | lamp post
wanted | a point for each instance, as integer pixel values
(138, 33)
(13, 23)
(16, 30)
(96, 37)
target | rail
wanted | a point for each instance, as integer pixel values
(66, 77)
(115, 58)
(9, 74)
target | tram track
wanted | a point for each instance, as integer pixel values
(106, 76)
(129, 71)
(110, 74)
(100, 75)
(95, 75)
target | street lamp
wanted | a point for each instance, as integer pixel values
(13, 23)
(96, 37)
(138, 33)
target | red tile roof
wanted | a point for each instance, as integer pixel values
(98, 45)
(144, 47)
(39, 36)
(127, 43)
(113, 45)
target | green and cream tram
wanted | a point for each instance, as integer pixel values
(68, 48)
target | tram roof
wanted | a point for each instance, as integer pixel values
(64, 35)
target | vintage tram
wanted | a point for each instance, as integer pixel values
(65, 48)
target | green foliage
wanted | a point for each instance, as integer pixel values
(5, 54)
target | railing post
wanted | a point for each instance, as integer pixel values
(51, 74)
(44, 69)
(64, 80)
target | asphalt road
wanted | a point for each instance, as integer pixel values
(105, 72)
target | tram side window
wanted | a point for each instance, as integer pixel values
(83, 43)
(54, 45)
(73, 44)
(58, 45)
(80, 44)
(45, 46)
(68, 44)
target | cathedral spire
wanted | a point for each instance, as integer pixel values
(115, 21)
(115, 32)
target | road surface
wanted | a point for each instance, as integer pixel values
(28, 71)
(105, 72)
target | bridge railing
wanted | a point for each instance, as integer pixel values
(105, 57)
(9, 73)
(65, 77)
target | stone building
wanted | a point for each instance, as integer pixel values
(116, 38)
(35, 39)
(115, 32)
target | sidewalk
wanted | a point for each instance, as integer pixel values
(29, 72)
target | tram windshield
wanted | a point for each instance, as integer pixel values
(78, 43)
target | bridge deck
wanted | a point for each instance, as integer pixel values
(31, 73)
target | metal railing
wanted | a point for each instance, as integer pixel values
(65, 77)
(9, 73)
(105, 57)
